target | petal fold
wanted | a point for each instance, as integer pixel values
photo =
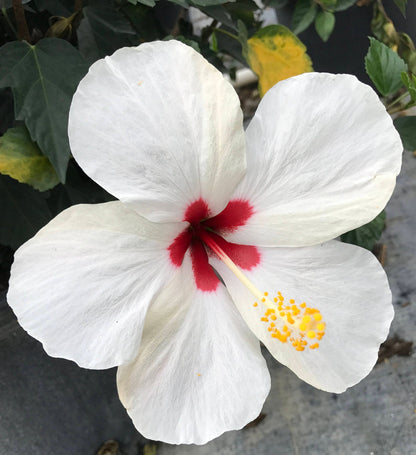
(199, 372)
(322, 155)
(349, 288)
(83, 284)
(159, 128)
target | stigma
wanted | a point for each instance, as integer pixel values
(299, 325)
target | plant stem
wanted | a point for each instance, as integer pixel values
(397, 100)
(22, 28)
(231, 35)
(9, 22)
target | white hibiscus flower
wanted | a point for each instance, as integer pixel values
(132, 283)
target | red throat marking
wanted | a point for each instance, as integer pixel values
(235, 215)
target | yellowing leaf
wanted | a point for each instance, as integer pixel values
(21, 159)
(274, 54)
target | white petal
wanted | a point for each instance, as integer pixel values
(199, 372)
(158, 127)
(322, 159)
(347, 285)
(82, 285)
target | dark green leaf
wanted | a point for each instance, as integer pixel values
(23, 212)
(324, 24)
(207, 2)
(402, 5)
(384, 67)
(183, 3)
(103, 30)
(9, 3)
(344, 4)
(144, 2)
(368, 235)
(242, 37)
(56, 7)
(303, 15)
(406, 126)
(220, 14)
(43, 78)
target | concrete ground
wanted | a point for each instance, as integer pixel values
(51, 407)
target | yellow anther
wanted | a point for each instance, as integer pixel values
(303, 305)
(311, 334)
(320, 327)
(269, 329)
(272, 324)
(303, 326)
(282, 313)
(306, 319)
(314, 346)
(266, 294)
(275, 300)
(255, 304)
(263, 299)
(285, 328)
(264, 319)
(273, 317)
(290, 320)
(317, 316)
(291, 301)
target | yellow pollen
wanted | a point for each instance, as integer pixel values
(311, 334)
(255, 304)
(266, 294)
(303, 326)
(273, 317)
(291, 301)
(317, 316)
(303, 305)
(263, 299)
(320, 327)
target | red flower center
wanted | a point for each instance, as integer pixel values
(235, 215)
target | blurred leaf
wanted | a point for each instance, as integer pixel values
(368, 235)
(143, 21)
(342, 5)
(207, 2)
(384, 67)
(303, 15)
(183, 3)
(328, 5)
(243, 38)
(9, 3)
(23, 212)
(144, 2)
(406, 126)
(21, 159)
(410, 83)
(43, 78)
(274, 54)
(324, 24)
(56, 7)
(402, 5)
(220, 14)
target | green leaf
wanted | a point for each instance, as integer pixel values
(410, 83)
(324, 24)
(23, 212)
(402, 6)
(303, 15)
(368, 235)
(384, 67)
(144, 2)
(207, 2)
(342, 5)
(242, 37)
(21, 159)
(43, 79)
(56, 7)
(220, 14)
(406, 126)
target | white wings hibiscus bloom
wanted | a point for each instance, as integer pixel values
(131, 283)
